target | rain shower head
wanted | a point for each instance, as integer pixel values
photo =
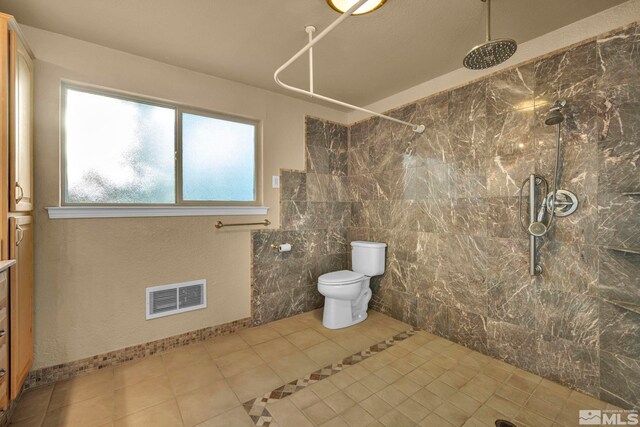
(491, 52)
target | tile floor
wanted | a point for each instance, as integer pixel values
(423, 380)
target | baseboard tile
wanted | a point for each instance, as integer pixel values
(51, 374)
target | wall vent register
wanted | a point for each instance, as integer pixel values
(167, 300)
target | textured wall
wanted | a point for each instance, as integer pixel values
(314, 216)
(91, 274)
(445, 202)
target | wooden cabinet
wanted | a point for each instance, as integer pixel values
(21, 300)
(4, 339)
(16, 203)
(20, 126)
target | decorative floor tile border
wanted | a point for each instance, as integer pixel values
(257, 408)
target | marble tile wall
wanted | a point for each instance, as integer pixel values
(315, 213)
(446, 204)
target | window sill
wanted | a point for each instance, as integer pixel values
(67, 212)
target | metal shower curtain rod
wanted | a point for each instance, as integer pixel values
(309, 48)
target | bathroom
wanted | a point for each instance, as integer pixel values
(374, 239)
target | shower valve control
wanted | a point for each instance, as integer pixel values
(566, 203)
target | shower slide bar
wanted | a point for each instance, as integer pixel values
(309, 48)
(533, 181)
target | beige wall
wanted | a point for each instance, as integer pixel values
(91, 273)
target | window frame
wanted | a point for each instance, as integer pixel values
(178, 109)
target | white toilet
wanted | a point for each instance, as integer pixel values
(347, 293)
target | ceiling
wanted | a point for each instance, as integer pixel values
(367, 58)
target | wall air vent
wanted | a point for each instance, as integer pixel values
(167, 300)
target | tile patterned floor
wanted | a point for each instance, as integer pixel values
(419, 380)
(257, 408)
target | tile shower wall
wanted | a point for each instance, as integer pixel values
(314, 217)
(446, 203)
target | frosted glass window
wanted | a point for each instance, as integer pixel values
(126, 151)
(218, 159)
(118, 151)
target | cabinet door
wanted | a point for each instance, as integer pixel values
(20, 300)
(20, 126)
(4, 341)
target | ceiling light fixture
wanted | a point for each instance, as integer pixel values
(342, 6)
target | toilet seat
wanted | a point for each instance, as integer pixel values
(340, 278)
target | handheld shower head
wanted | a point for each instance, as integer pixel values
(538, 229)
(555, 116)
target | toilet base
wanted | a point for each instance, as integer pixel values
(337, 314)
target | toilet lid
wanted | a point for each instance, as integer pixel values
(340, 277)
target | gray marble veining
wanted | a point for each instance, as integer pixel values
(618, 59)
(512, 90)
(570, 267)
(450, 195)
(618, 223)
(315, 212)
(619, 379)
(617, 112)
(569, 363)
(620, 329)
(619, 277)
(567, 315)
(618, 165)
(567, 74)
(514, 344)
(445, 202)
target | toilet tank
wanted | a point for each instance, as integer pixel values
(368, 257)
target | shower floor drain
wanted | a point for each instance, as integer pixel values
(503, 423)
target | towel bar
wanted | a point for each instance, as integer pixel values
(266, 223)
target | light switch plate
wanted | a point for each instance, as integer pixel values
(275, 181)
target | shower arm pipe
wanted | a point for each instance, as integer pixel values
(488, 19)
(309, 48)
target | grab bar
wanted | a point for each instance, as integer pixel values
(533, 265)
(533, 181)
(266, 223)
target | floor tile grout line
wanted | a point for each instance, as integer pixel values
(162, 357)
(38, 378)
(446, 354)
(42, 416)
(115, 389)
(173, 392)
(257, 408)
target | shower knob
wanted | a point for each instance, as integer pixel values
(566, 203)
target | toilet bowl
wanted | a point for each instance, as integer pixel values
(347, 293)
